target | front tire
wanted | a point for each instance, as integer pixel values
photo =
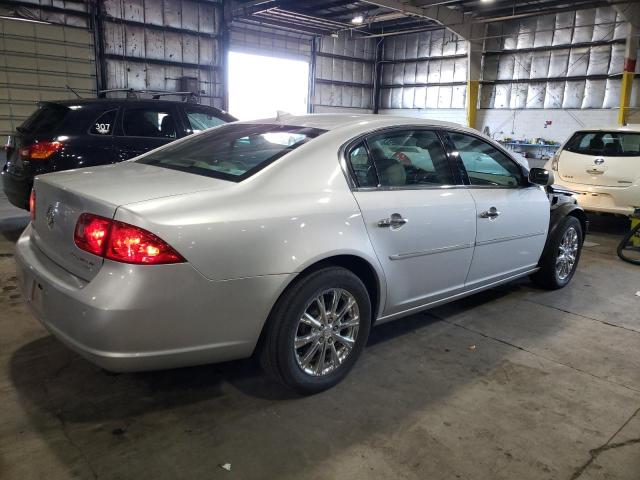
(560, 259)
(317, 330)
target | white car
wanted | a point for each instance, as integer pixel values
(603, 168)
(288, 237)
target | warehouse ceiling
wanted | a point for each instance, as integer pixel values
(374, 17)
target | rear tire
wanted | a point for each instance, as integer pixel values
(308, 349)
(560, 259)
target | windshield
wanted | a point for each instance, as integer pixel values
(610, 144)
(232, 152)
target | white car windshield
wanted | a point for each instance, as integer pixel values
(233, 151)
(609, 144)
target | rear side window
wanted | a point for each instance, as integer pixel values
(149, 122)
(610, 144)
(201, 120)
(46, 119)
(233, 151)
(103, 125)
(409, 158)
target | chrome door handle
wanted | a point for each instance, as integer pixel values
(491, 213)
(395, 221)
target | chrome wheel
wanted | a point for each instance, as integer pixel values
(327, 332)
(567, 253)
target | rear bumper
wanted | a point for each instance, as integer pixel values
(618, 200)
(17, 189)
(133, 318)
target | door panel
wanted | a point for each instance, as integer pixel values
(512, 216)
(427, 258)
(145, 127)
(512, 240)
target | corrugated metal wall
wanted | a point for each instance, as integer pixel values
(259, 40)
(150, 44)
(37, 60)
(424, 70)
(344, 73)
(566, 60)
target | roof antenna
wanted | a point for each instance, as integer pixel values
(71, 89)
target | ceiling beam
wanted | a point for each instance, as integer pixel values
(447, 17)
(629, 11)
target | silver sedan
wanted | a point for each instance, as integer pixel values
(288, 238)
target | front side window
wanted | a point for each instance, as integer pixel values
(610, 144)
(149, 122)
(409, 158)
(233, 151)
(485, 165)
(200, 119)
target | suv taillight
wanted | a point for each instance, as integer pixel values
(122, 242)
(39, 150)
(32, 204)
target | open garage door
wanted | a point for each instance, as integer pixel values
(37, 61)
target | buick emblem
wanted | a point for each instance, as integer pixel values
(599, 161)
(50, 216)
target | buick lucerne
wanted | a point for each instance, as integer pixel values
(288, 238)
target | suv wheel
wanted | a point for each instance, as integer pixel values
(317, 330)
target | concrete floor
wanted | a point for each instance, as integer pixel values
(516, 383)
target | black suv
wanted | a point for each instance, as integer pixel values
(68, 134)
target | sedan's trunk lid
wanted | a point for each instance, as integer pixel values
(62, 197)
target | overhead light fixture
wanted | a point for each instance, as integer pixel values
(486, 1)
(357, 20)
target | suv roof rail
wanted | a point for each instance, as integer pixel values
(155, 94)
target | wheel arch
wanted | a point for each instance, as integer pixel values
(372, 278)
(560, 213)
(566, 210)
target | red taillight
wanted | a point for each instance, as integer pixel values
(122, 242)
(32, 204)
(40, 150)
(91, 233)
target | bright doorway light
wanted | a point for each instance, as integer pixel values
(259, 86)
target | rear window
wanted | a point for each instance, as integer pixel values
(609, 144)
(232, 152)
(45, 119)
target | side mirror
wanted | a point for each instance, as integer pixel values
(540, 176)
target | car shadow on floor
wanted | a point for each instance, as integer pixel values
(11, 228)
(235, 400)
(50, 377)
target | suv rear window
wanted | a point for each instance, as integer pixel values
(45, 119)
(232, 152)
(608, 144)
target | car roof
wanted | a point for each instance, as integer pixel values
(333, 121)
(121, 101)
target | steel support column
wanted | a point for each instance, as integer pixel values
(475, 48)
(225, 42)
(630, 55)
(311, 97)
(377, 75)
(474, 62)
